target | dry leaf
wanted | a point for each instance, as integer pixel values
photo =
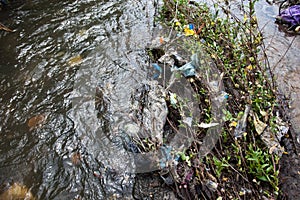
(36, 121)
(17, 191)
(76, 60)
(76, 158)
(259, 125)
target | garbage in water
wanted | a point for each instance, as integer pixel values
(290, 17)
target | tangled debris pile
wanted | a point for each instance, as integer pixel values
(245, 161)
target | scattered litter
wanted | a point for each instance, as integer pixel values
(290, 17)
(272, 138)
(221, 97)
(172, 59)
(157, 68)
(211, 185)
(272, 142)
(205, 125)
(167, 59)
(244, 191)
(242, 123)
(189, 30)
(166, 152)
(161, 40)
(187, 69)
(173, 99)
(188, 121)
(179, 61)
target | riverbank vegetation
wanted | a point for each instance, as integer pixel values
(245, 162)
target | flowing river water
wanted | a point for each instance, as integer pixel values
(53, 138)
(51, 66)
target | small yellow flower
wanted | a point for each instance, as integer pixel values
(249, 67)
(233, 124)
(245, 17)
(177, 23)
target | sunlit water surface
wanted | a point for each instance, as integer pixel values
(50, 69)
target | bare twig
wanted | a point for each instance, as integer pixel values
(275, 66)
(5, 28)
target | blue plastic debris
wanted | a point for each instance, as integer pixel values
(191, 26)
(166, 152)
(157, 68)
(187, 70)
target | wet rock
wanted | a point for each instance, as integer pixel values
(150, 109)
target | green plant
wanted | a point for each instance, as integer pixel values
(220, 165)
(260, 164)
